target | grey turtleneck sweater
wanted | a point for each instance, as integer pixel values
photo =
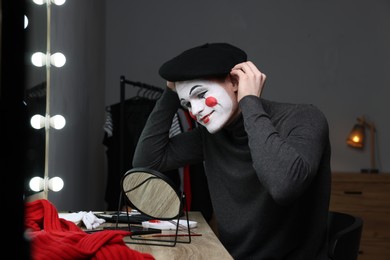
(268, 174)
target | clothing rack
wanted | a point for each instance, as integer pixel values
(123, 83)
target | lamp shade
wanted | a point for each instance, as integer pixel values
(356, 136)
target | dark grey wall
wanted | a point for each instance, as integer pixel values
(333, 54)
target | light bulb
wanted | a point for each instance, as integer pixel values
(25, 22)
(57, 122)
(39, 2)
(58, 2)
(58, 59)
(356, 139)
(38, 59)
(36, 184)
(56, 184)
(37, 121)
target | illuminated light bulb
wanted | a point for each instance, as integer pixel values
(57, 122)
(356, 139)
(58, 59)
(38, 59)
(56, 184)
(56, 2)
(37, 121)
(25, 22)
(36, 184)
(39, 2)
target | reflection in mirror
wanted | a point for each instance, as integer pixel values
(152, 193)
(35, 93)
(37, 100)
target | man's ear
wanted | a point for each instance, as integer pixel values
(234, 82)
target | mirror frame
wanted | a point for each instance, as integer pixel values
(158, 176)
(182, 209)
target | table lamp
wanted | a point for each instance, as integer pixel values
(356, 139)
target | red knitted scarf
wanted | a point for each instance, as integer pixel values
(56, 238)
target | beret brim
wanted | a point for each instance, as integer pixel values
(207, 60)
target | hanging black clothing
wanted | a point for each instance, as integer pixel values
(136, 113)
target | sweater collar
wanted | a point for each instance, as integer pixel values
(236, 128)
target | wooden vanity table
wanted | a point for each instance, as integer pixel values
(206, 246)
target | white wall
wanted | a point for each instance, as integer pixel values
(334, 54)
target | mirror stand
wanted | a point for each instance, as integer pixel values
(155, 196)
(158, 239)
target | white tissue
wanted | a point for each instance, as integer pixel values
(89, 219)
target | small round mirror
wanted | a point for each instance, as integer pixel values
(151, 193)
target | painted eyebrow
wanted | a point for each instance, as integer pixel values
(194, 87)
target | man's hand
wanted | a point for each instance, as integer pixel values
(250, 80)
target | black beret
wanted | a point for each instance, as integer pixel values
(207, 60)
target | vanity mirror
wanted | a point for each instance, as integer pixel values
(154, 194)
(38, 101)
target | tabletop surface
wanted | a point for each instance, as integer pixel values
(204, 245)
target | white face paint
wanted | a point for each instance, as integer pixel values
(208, 102)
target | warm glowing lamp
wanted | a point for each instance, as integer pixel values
(357, 137)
